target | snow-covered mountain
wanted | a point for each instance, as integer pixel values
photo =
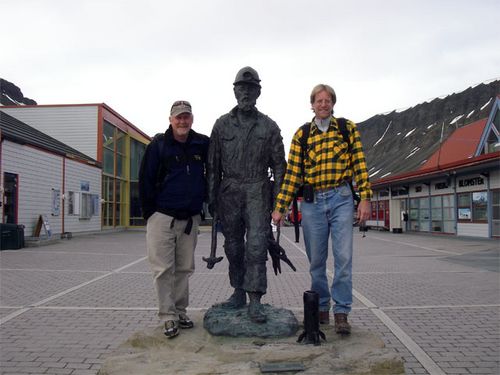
(400, 141)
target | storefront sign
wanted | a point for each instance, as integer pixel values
(441, 185)
(471, 182)
(400, 190)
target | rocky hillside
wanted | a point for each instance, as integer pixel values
(401, 141)
(12, 95)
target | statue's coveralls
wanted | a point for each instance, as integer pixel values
(240, 159)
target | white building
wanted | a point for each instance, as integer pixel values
(104, 135)
(41, 177)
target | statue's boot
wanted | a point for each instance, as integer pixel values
(238, 299)
(255, 308)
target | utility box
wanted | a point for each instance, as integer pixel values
(11, 236)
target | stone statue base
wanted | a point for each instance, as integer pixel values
(221, 321)
(196, 352)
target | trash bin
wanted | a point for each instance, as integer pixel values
(11, 236)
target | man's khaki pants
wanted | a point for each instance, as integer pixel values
(171, 256)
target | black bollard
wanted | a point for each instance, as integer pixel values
(312, 333)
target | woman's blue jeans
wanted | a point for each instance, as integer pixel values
(331, 214)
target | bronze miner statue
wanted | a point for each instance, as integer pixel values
(245, 148)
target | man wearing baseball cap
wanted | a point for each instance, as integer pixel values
(172, 189)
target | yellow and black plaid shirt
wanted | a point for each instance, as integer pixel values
(328, 163)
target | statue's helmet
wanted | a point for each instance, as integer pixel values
(247, 75)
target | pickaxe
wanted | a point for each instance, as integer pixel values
(212, 259)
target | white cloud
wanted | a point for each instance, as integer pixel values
(138, 57)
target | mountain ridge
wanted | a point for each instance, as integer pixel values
(401, 141)
(10, 94)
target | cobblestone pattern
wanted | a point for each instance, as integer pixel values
(446, 305)
(461, 340)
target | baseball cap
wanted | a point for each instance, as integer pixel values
(179, 107)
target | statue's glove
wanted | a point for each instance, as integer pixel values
(276, 261)
(278, 254)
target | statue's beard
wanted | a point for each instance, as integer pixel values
(246, 104)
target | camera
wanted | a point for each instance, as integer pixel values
(308, 193)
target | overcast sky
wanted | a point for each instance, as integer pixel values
(140, 56)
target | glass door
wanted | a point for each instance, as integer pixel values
(10, 198)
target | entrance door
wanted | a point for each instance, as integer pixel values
(387, 216)
(404, 214)
(10, 198)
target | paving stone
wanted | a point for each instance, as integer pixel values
(450, 308)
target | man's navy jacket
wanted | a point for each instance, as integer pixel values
(172, 175)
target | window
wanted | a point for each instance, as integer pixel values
(414, 214)
(424, 214)
(108, 196)
(10, 198)
(135, 205)
(495, 228)
(120, 203)
(420, 214)
(496, 120)
(82, 204)
(492, 142)
(120, 154)
(449, 214)
(87, 206)
(73, 203)
(108, 164)
(137, 151)
(473, 207)
(115, 174)
(480, 206)
(443, 218)
(437, 214)
(108, 142)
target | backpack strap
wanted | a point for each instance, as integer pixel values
(342, 122)
(306, 128)
(163, 168)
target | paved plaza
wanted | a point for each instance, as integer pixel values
(434, 299)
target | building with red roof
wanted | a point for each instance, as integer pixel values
(461, 145)
(455, 191)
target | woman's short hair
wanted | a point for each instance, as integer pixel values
(322, 87)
